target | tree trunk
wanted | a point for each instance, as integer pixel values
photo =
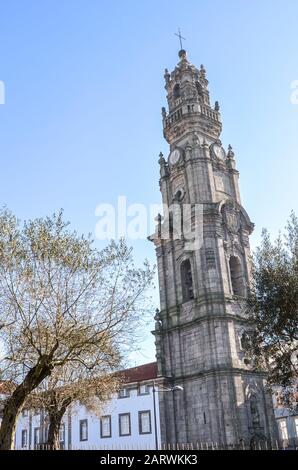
(55, 417)
(8, 425)
(54, 428)
(15, 403)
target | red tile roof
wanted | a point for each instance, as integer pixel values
(134, 374)
(139, 373)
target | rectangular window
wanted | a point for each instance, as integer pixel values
(62, 433)
(145, 422)
(24, 438)
(123, 393)
(124, 424)
(105, 426)
(46, 432)
(24, 413)
(296, 425)
(36, 436)
(143, 390)
(283, 429)
(83, 430)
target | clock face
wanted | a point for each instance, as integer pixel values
(218, 151)
(174, 157)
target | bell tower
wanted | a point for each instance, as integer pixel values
(203, 257)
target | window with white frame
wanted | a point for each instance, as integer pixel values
(105, 426)
(123, 393)
(83, 430)
(24, 413)
(296, 425)
(46, 431)
(36, 436)
(145, 422)
(24, 438)
(62, 433)
(124, 424)
(283, 429)
(143, 390)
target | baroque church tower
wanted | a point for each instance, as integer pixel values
(203, 278)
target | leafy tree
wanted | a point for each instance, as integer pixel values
(62, 303)
(273, 305)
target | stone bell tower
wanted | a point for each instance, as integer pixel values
(203, 260)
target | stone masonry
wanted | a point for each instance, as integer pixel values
(201, 325)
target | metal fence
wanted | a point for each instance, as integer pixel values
(289, 444)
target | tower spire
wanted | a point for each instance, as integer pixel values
(180, 38)
(203, 257)
(189, 107)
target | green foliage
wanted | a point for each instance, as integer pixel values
(274, 307)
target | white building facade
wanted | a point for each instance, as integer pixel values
(287, 421)
(129, 420)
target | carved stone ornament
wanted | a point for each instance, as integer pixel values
(231, 215)
(252, 390)
(179, 130)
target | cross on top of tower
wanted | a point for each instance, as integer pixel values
(180, 38)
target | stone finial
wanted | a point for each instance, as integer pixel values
(216, 106)
(202, 71)
(231, 153)
(161, 159)
(163, 166)
(167, 77)
(158, 220)
(158, 323)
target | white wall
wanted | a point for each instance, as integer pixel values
(29, 423)
(132, 404)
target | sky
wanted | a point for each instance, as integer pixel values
(81, 124)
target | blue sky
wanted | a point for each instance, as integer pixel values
(84, 87)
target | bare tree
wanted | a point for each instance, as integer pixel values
(63, 302)
(72, 385)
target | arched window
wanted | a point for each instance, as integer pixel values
(254, 410)
(236, 276)
(186, 281)
(176, 91)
